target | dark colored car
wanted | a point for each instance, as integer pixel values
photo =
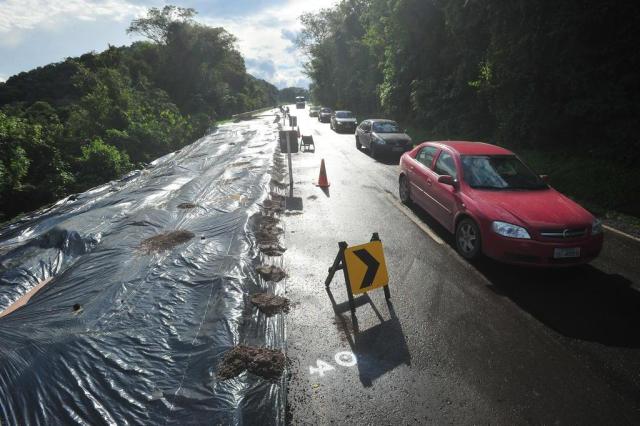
(343, 121)
(382, 137)
(324, 116)
(496, 206)
(300, 102)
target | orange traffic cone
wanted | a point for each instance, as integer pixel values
(322, 180)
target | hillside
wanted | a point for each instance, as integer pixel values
(68, 126)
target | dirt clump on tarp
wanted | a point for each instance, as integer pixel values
(166, 241)
(271, 273)
(272, 250)
(187, 206)
(268, 233)
(270, 304)
(266, 221)
(263, 362)
(273, 206)
(278, 184)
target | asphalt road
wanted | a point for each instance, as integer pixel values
(458, 343)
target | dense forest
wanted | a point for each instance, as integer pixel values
(71, 125)
(557, 79)
(288, 95)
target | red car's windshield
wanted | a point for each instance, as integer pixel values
(499, 172)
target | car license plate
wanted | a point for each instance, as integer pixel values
(397, 149)
(565, 253)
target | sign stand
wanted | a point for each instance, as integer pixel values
(290, 167)
(340, 264)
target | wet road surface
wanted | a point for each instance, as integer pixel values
(458, 343)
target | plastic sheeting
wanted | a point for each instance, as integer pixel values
(122, 336)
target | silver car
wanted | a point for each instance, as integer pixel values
(343, 121)
(382, 137)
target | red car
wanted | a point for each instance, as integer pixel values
(495, 205)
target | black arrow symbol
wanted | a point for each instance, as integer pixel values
(372, 265)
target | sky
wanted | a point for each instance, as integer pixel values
(38, 32)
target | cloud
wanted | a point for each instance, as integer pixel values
(40, 48)
(227, 8)
(265, 68)
(289, 35)
(36, 32)
(269, 34)
(19, 15)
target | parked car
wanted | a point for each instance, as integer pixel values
(343, 121)
(324, 116)
(496, 206)
(382, 137)
(300, 102)
(313, 111)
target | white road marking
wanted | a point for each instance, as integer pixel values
(414, 219)
(623, 234)
(343, 359)
(321, 368)
(346, 359)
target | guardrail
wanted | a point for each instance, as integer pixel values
(249, 114)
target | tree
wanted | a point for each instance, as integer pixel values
(15, 133)
(155, 26)
(288, 94)
(100, 162)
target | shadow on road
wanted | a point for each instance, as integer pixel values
(379, 349)
(389, 160)
(582, 302)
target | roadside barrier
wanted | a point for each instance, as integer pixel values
(249, 114)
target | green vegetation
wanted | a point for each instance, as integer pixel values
(600, 184)
(288, 95)
(555, 81)
(69, 126)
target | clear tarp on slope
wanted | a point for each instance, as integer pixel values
(122, 336)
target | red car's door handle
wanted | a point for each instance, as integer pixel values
(429, 182)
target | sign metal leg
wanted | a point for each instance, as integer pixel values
(387, 293)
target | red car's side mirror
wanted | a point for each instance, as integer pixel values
(448, 180)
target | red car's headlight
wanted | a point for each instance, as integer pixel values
(511, 231)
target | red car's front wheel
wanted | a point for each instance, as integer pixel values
(468, 239)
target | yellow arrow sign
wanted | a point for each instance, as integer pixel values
(366, 267)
